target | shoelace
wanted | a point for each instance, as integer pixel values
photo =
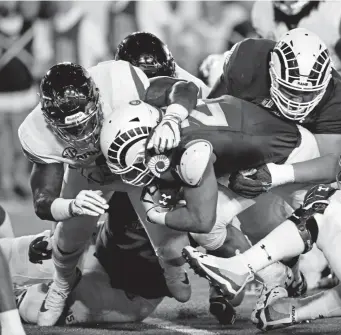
(55, 298)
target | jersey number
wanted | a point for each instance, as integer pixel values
(209, 115)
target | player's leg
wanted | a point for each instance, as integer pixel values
(24, 272)
(283, 242)
(284, 312)
(9, 315)
(167, 244)
(6, 229)
(226, 240)
(69, 242)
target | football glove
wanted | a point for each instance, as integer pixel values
(250, 183)
(166, 135)
(88, 202)
(316, 199)
(40, 249)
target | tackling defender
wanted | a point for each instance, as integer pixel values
(317, 221)
(122, 280)
(65, 128)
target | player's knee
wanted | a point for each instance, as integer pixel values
(212, 240)
(147, 307)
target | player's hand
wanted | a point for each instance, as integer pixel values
(207, 64)
(40, 249)
(88, 202)
(166, 135)
(250, 183)
(157, 215)
(317, 198)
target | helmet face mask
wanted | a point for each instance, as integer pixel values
(71, 105)
(147, 52)
(123, 141)
(300, 71)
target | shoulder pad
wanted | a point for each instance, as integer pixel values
(193, 161)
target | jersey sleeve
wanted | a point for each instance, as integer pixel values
(183, 74)
(38, 143)
(119, 81)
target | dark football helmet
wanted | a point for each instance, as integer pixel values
(147, 52)
(70, 103)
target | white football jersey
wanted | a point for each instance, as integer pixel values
(180, 73)
(323, 21)
(117, 81)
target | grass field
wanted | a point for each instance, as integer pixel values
(171, 317)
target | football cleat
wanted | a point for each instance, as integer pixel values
(54, 303)
(279, 311)
(267, 297)
(229, 283)
(222, 310)
(178, 283)
(297, 290)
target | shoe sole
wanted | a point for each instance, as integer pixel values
(198, 269)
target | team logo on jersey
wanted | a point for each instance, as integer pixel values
(158, 164)
(69, 152)
(135, 102)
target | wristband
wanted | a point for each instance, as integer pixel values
(281, 174)
(61, 209)
(177, 110)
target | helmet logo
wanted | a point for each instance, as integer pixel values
(76, 118)
(69, 152)
(135, 102)
(158, 164)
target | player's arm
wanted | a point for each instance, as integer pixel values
(181, 98)
(196, 171)
(324, 168)
(318, 170)
(46, 184)
(199, 214)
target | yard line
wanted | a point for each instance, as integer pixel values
(168, 325)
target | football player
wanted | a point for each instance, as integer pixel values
(64, 129)
(286, 15)
(219, 137)
(147, 52)
(298, 84)
(317, 221)
(9, 315)
(122, 280)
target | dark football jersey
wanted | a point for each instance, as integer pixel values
(242, 134)
(125, 252)
(246, 76)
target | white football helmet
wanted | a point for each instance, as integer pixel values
(123, 139)
(300, 71)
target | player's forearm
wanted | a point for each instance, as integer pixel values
(172, 91)
(46, 184)
(185, 220)
(318, 170)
